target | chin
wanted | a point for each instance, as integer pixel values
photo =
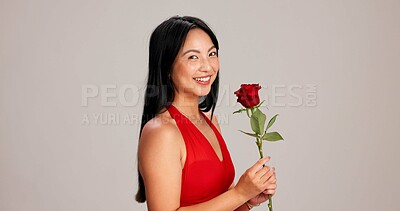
(204, 91)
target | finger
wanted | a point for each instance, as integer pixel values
(268, 175)
(262, 171)
(264, 176)
(270, 192)
(259, 164)
(273, 181)
(270, 187)
(272, 178)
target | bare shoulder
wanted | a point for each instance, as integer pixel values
(160, 135)
(159, 124)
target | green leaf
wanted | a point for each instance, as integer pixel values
(247, 112)
(239, 111)
(250, 134)
(254, 124)
(272, 136)
(271, 122)
(261, 117)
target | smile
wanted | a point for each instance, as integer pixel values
(203, 79)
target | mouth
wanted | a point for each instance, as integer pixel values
(203, 79)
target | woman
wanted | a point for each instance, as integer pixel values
(183, 162)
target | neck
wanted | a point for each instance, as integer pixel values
(188, 106)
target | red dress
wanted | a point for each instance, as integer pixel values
(204, 175)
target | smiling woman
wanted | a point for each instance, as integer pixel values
(183, 161)
(197, 67)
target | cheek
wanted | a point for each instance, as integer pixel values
(182, 73)
(182, 69)
(192, 67)
(215, 65)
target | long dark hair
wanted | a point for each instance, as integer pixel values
(165, 42)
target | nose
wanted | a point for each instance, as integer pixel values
(206, 66)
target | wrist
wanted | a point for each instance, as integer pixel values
(240, 196)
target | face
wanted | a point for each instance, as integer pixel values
(196, 65)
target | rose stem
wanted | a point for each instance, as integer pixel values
(260, 150)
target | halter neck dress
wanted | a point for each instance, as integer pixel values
(204, 175)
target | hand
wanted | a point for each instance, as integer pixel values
(270, 190)
(271, 187)
(256, 180)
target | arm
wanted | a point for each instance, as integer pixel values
(243, 207)
(160, 165)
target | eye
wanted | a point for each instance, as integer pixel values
(214, 53)
(193, 57)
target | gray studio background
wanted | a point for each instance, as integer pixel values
(329, 68)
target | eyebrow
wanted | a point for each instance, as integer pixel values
(197, 51)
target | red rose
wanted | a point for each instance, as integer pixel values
(248, 95)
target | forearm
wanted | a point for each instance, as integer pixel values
(230, 200)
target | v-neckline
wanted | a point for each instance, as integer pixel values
(205, 138)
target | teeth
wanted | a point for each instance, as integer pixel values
(203, 79)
